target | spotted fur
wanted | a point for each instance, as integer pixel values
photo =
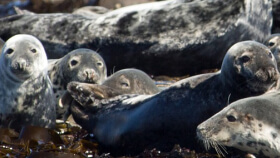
(250, 124)
(26, 96)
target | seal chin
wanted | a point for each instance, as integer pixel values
(21, 75)
(263, 81)
(259, 86)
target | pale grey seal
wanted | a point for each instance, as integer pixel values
(132, 123)
(251, 124)
(26, 96)
(82, 65)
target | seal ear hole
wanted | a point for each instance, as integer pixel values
(231, 118)
(73, 62)
(9, 51)
(33, 50)
(245, 58)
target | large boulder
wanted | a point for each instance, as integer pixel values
(175, 37)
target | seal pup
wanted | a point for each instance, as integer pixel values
(273, 43)
(126, 81)
(135, 122)
(26, 96)
(82, 65)
(251, 124)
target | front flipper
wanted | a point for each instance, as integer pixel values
(86, 94)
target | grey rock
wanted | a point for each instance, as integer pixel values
(160, 38)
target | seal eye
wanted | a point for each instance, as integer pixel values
(245, 58)
(231, 118)
(9, 51)
(73, 62)
(124, 85)
(270, 44)
(99, 64)
(33, 50)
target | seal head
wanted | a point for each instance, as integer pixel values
(249, 68)
(249, 124)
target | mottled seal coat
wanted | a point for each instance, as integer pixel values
(273, 43)
(82, 65)
(131, 123)
(126, 81)
(157, 37)
(26, 96)
(251, 124)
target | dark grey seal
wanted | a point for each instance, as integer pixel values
(26, 96)
(82, 65)
(126, 81)
(130, 123)
(251, 124)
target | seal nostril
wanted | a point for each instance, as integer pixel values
(89, 74)
(270, 55)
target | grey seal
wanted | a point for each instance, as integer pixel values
(26, 96)
(82, 65)
(134, 122)
(273, 43)
(171, 38)
(126, 81)
(251, 124)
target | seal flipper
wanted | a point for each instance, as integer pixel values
(86, 94)
(65, 101)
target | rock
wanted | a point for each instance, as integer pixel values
(91, 11)
(114, 4)
(162, 38)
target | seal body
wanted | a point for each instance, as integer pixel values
(26, 96)
(126, 81)
(132, 123)
(82, 65)
(251, 124)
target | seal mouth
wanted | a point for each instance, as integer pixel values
(219, 148)
(263, 80)
(203, 135)
(22, 75)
